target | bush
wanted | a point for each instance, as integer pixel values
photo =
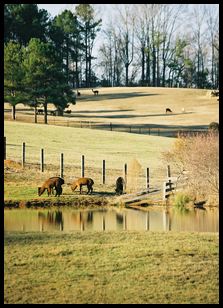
(214, 126)
(180, 200)
(198, 156)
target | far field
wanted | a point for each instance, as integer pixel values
(138, 107)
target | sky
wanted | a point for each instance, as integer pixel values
(54, 9)
(102, 11)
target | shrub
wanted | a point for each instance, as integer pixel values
(180, 200)
(198, 155)
(214, 126)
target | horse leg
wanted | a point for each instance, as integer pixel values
(49, 191)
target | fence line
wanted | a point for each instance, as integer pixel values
(170, 185)
(145, 129)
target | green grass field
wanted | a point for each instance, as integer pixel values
(111, 268)
(115, 147)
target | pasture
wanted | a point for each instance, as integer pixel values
(111, 268)
(115, 147)
(135, 107)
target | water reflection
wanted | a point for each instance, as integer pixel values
(111, 219)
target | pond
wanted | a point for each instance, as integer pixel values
(111, 219)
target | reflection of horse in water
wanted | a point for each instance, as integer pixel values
(54, 218)
(81, 218)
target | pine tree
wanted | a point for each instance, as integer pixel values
(45, 79)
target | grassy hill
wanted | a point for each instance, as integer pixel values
(137, 106)
(124, 106)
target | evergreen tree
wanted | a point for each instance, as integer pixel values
(13, 75)
(90, 27)
(45, 80)
(65, 33)
(23, 22)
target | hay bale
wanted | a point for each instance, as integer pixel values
(133, 176)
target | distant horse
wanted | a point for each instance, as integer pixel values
(39, 111)
(168, 110)
(95, 92)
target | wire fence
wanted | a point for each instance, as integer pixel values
(146, 129)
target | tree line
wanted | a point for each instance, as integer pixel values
(167, 45)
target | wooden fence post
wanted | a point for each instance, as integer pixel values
(41, 160)
(147, 179)
(125, 175)
(23, 154)
(103, 222)
(4, 147)
(82, 166)
(111, 126)
(61, 165)
(103, 171)
(164, 191)
(168, 175)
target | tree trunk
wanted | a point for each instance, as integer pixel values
(13, 112)
(126, 74)
(143, 66)
(35, 114)
(154, 66)
(45, 113)
(67, 60)
(157, 69)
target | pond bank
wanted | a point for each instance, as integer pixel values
(76, 201)
(85, 201)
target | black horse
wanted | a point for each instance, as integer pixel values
(120, 183)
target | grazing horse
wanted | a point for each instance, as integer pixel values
(120, 183)
(168, 110)
(81, 182)
(54, 182)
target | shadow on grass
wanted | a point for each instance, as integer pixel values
(110, 96)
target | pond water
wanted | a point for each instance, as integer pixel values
(111, 219)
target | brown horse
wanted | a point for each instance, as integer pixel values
(54, 182)
(81, 182)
